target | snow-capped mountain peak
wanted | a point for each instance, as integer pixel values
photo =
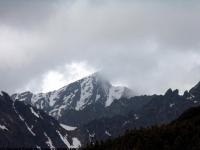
(75, 96)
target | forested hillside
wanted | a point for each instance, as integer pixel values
(181, 134)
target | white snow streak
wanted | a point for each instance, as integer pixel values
(64, 139)
(49, 142)
(30, 129)
(34, 112)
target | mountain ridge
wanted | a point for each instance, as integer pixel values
(100, 118)
(156, 110)
(76, 96)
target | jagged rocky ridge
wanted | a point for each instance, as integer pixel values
(157, 109)
(23, 126)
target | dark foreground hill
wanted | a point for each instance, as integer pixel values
(181, 134)
(23, 126)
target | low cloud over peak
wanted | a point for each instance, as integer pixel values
(149, 46)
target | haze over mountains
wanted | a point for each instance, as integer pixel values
(50, 48)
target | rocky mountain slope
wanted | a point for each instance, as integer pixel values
(23, 126)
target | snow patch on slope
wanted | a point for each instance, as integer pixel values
(1, 94)
(114, 93)
(55, 95)
(97, 97)
(171, 105)
(36, 97)
(2, 127)
(86, 92)
(108, 133)
(68, 128)
(136, 116)
(57, 111)
(75, 143)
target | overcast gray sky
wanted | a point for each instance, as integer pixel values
(146, 45)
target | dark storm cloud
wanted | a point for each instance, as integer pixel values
(148, 45)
